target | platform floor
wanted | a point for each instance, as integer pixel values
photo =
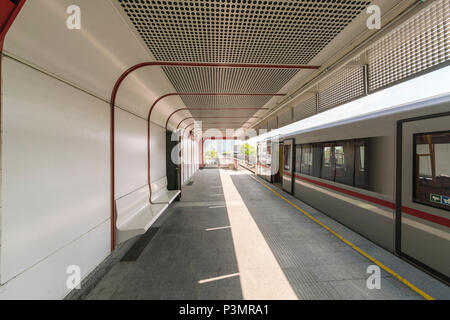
(232, 238)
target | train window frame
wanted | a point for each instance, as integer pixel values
(311, 159)
(287, 158)
(414, 173)
(361, 164)
(331, 166)
(358, 180)
(345, 172)
(298, 159)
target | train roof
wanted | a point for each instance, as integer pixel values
(403, 111)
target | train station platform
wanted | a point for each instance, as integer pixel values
(234, 236)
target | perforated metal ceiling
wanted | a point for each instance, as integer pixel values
(237, 31)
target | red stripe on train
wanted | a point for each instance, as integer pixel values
(384, 203)
(426, 216)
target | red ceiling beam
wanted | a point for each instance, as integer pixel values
(8, 13)
(209, 109)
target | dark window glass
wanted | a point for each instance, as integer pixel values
(298, 158)
(432, 169)
(344, 154)
(316, 159)
(328, 162)
(287, 157)
(361, 164)
(307, 159)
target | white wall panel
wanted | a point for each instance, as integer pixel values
(55, 177)
(130, 153)
(157, 152)
(47, 279)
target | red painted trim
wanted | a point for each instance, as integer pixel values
(426, 216)
(361, 196)
(209, 109)
(8, 13)
(413, 212)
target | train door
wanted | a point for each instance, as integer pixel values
(274, 160)
(278, 174)
(286, 165)
(423, 193)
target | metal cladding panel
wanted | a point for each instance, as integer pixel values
(343, 86)
(272, 123)
(419, 44)
(285, 118)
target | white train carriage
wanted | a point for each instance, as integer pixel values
(385, 175)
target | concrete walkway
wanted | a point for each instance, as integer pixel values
(232, 238)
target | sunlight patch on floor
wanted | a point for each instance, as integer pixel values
(260, 274)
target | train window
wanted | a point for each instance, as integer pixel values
(307, 159)
(361, 164)
(432, 169)
(287, 157)
(339, 156)
(328, 162)
(362, 150)
(316, 160)
(344, 154)
(298, 158)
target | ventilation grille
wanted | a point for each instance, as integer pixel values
(225, 101)
(240, 31)
(343, 86)
(238, 112)
(285, 118)
(305, 109)
(239, 80)
(228, 80)
(419, 44)
(273, 123)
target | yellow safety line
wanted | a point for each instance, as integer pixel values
(360, 251)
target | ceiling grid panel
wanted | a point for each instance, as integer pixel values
(237, 31)
(419, 44)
